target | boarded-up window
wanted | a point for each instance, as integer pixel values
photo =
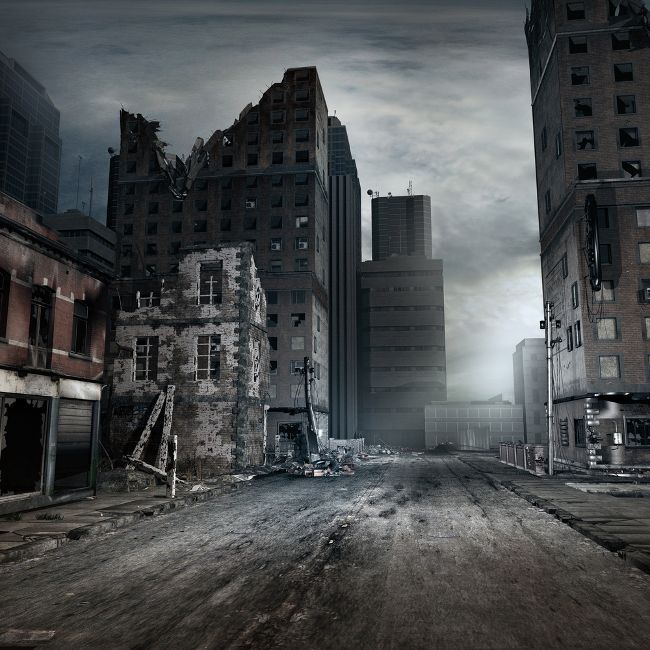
(644, 253)
(606, 328)
(609, 367)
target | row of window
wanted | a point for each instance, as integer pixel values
(201, 225)
(637, 432)
(615, 9)
(585, 140)
(580, 75)
(278, 116)
(580, 44)
(41, 323)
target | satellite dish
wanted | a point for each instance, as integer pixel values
(369, 192)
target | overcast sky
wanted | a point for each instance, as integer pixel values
(435, 92)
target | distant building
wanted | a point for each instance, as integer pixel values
(202, 331)
(345, 258)
(401, 225)
(529, 372)
(30, 147)
(402, 363)
(53, 308)
(590, 78)
(261, 178)
(474, 425)
(86, 236)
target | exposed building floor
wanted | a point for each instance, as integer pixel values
(413, 551)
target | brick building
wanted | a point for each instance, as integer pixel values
(590, 85)
(203, 331)
(52, 334)
(263, 179)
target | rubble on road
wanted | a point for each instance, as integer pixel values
(330, 463)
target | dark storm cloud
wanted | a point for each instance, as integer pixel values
(433, 92)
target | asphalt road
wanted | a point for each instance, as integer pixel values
(410, 552)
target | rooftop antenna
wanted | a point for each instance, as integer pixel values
(76, 205)
(90, 205)
(410, 188)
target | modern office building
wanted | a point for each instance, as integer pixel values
(475, 426)
(263, 179)
(402, 363)
(590, 87)
(345, 258)
(86, 236)
(529, 374)
(30, 148)
(401, 225)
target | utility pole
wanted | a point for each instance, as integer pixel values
(90, 206)
(548, 327)
(76, 205)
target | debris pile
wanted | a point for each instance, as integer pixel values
(339, 462)
(378, 450)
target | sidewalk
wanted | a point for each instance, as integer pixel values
(619, 523)
(31, 533)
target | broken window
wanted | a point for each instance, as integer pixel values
(132, 146)
(273, 367)
(200, 205)
(226, 161)
(302, 222)
(302, 135)
(277, 117)
(301, 179)
(631, 168)
(153, 207)
(200, 226)
(173, 267)
(605, 253)
(227, 140)
(277, 158)
(273, 342)
(277, 97)
(253, 117)
(643, 217)
(298, 297)
(152, 228)
(177, 227)
(301, 243)
(587, 172)
(628, 137)
(609, 367)
(575, 10)
(618, 8)
(302, 156)
(296, 367)
(301, 264)
(275, 266)
(251, 159)
(577, 44)
(150, 269)
(578, 334)
(271, 320)
(277, 137)
(147, 299)
(250, 223)
(276, 180)
(251, 203)
(301, 199)
(637, 432)
(276, 244)
(151, 248)
(302, 114)
(575, 297)
(297, 342)
(276, 201)
(582, 107)
(80, 328)
(621, 41)
(585, 140)
(226, 203)
(208, 357)
(145, 367)
(225, 225)
(276, 221)
(211, 283)
(298, 319)
(625, 104)
(580, 75)
(40, 323)
(271, 297)
(623, 72)
(252, 138)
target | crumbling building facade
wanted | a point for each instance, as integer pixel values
(263, 180)
(590, 88)
(203, 332)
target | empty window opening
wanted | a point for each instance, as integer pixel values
(628, 137)
(625, 104)
(587, 172)
(631, 168)
(575, 10)
(208, 357)
(623, 72)
(211, 283)
(585, 140)
(298, 319)
(578, 45)
(582, 107)
(146, 358)
(80, 328)
(621, 41)
(580, 76)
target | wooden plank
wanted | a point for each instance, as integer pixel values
(167, 427)
(146, 433)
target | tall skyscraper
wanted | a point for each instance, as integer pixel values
(30, 148)
(590, 84)
(402, 362)
(345, 258)
(529, 374)
(263, 179)
(401, 225)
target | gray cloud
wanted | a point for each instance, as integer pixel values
(433, 92)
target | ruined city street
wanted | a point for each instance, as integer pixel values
(413, 551)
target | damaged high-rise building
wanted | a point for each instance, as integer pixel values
(262, 179)
(203, 332)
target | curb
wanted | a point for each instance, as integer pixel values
(631, 555)
(34, 549)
